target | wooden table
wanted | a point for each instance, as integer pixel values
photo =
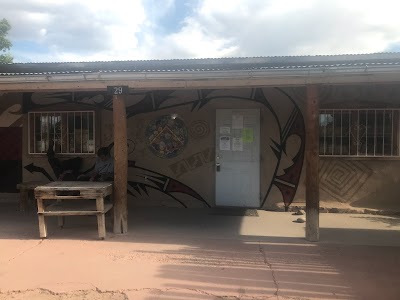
(25, 191)
(67, 193)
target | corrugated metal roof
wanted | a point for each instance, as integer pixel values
(204, 64)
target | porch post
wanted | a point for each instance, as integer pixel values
(312, 164)
(120, 165)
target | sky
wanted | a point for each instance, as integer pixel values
(97, 30)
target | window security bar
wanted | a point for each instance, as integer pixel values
(71, 132)
(359, 132)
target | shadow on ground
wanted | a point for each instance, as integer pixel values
(196, 255)
(389, 221)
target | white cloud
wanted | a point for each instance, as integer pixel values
(75, 30)
(78, 30)
(279, 27)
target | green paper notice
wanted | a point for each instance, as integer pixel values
(247, 135)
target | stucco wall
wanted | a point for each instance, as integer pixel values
(188, 179)
(10, 110)
(193, 170)
(36, 166)
(363, 182)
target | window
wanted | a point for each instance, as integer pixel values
(72, 132)
(359, 132)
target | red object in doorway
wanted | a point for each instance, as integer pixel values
(10, 143)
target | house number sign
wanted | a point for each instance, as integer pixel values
(118, 90)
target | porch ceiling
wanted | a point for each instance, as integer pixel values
(202, 73)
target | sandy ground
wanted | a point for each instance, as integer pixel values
(190, 254)
(41, 294)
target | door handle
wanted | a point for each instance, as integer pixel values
(218, 167)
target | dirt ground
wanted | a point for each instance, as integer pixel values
(41, 294)
(176, 254)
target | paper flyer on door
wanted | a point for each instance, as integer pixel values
(237, 122)
(225, 143)
(225, 130)
(248, 135)
(237, 144)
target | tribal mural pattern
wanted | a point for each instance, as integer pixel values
(146, 179)
(343, 179)
(289, 162)
(143, 181)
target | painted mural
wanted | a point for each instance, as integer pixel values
(167, 137)
(146, 179)
(343, 179)
(199, 129)
(291, 128)
(187, 178)
(143, 181)
(192, 162)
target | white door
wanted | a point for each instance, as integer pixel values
(237, 157)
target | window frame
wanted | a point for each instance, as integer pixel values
(394, 133)
(32, 115)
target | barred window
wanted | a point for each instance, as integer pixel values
(359, 132)
(71, 132)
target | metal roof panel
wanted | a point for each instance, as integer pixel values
(203, 64)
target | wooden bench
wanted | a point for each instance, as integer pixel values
(26, 197)
(73, 199)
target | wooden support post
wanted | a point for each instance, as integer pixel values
(312, 164)
(120, 165)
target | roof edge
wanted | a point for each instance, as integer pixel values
(275, 58)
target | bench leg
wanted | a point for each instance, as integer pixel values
(42, 221)
(31, 200)
(101, 223)
(23, 200)
(42, 227)
(110, 217)
(60, 221)
(101, 220)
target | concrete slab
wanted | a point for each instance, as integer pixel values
(357, 229)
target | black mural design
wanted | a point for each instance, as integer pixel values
(152, 101)
(289, 181)
(148, 179)
(35, 169)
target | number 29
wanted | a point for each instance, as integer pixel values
(117, 90)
